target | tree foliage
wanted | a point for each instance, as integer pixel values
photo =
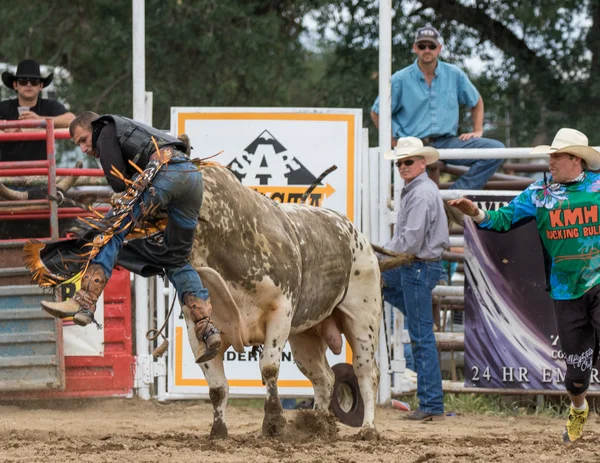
(538, 60)
(198, 52)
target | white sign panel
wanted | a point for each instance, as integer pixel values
(83, 340)
(242, 370)
(279, 152)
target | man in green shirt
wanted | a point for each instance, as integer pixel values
(566, 210)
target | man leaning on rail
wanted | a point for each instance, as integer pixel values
(28, 83)
(573, 263)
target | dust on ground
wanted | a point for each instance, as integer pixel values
(132, 431)
(309, 424)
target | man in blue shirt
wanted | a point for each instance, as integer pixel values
(425, 99)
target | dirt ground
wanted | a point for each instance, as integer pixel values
(133, 431)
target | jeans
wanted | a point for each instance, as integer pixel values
(178, 188)
(481, 169)
(448, 269)
(288, 404)
(409, 288)
(408, 352)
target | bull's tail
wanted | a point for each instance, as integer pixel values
(316, 183)
(393, 260)
(453, 214)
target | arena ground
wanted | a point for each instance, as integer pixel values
(133, 431)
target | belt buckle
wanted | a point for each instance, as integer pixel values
(427, 141)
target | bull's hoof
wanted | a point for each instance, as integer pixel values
(368, 434)
(219, 430)
(273, 426)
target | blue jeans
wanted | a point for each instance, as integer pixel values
(177, 188)
(408, 353)
(448, 269)
(481, 169)
(409, 288)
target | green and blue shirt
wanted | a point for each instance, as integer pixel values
(567, 218)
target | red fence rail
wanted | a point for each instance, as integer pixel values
(60, 134)
(86, 376)
(50, 209)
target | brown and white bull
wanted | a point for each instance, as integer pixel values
(278, 272)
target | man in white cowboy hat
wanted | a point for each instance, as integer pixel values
(28, 82)
(422, 231)
(566, 210)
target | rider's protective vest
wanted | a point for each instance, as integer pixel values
(135, 139)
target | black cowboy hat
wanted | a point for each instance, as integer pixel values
(26, 68)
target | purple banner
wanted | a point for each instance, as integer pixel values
(510, 333)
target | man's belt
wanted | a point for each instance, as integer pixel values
(418, 259)
(427, 141)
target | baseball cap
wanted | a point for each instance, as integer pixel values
(428, 34)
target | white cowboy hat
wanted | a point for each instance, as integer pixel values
(412, 146)
(573, 142)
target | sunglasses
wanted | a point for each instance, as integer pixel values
(32, 80)
(407, 163)
(423, 46)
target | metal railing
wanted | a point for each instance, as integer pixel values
(380, 208)
(17, 168)
(42, 208)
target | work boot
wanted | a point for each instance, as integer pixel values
(575, 424)
(420, 415)
(206, 332)
(83, 304)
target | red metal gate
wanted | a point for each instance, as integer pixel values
(113, 373)
(86, 376)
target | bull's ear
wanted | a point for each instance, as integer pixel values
(188, 147)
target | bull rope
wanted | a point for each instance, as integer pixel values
(454, 215)
(153, 333)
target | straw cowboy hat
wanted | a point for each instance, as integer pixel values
(26, 68)
(412, 146)
(573, 142)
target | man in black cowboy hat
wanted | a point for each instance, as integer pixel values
(28, 83)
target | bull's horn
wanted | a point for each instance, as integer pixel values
(8, 193)
(67, 182)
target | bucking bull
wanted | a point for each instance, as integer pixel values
(284, 272)
(278, 272)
